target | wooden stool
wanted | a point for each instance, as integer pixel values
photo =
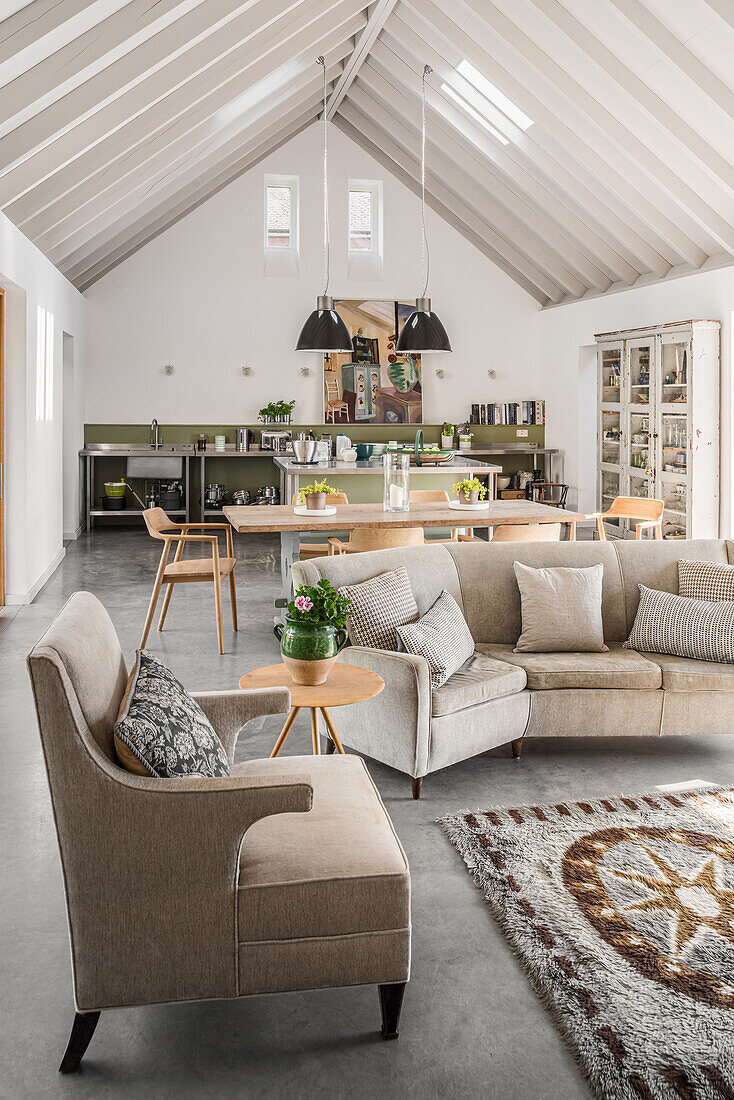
(346, 684)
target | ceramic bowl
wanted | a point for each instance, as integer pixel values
(503, 482)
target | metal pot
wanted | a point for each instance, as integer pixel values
(304, 450)
(240, 496)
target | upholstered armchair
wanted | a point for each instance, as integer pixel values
(192, 888)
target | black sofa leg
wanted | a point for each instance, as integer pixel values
(415, 786)
(81, 1034)
(516, 747)
(391, 1001)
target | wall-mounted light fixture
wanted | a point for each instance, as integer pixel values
(440, 373)
(169, 369)
(305, 372)
(246, 371)
(491, 374)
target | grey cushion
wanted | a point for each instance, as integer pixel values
(688, 674)
(379, 605)
(479, 679)
(163, 728)
(683, 627)
(561, 609)
(441, 636)
(705, 580)
(617, 668)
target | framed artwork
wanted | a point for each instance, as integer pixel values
(373, 384)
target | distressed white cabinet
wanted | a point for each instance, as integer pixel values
(658, 424)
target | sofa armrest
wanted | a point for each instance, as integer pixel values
(394, 727)
(228, 711)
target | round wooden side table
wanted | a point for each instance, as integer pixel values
(346, 684)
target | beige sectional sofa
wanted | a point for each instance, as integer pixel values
(499, 696)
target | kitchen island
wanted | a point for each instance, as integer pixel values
(362, 480)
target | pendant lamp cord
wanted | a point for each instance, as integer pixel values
(320, 61)
(425, 254)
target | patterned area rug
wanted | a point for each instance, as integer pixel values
(622, 913)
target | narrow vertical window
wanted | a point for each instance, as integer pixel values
(361, 220)
(279, 216)
(44, 364)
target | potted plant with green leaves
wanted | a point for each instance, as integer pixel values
(277, 412)
(447, 435)
(470, 490)
(314, 632)
(314, 496)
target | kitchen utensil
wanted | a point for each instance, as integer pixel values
(304, 450)
(241, 496)
(364, 451)
(349, 454)
(343, 442)
(115, 488)
(244, 438)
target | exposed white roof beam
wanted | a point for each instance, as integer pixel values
(686, 137)
(202, 126)
(51, 78)
(409, 175)
(448, 191)
(162, 97)
(544, 145)
(613, 134)
(547, 243)
(174, 205)
(33, 21)
(723, 9)
(375, 23)
(607, 165)
(112, 203)
(196, 41)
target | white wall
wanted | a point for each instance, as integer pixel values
(564, 330)
(34, 493)
(196, 297)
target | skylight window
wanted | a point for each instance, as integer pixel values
(494, 95)
(449, 91)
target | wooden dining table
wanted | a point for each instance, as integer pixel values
(281, 519)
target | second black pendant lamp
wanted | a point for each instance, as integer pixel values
(324, 329)
(423, 331)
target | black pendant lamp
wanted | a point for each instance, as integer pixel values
(324, 329)
(423, 331)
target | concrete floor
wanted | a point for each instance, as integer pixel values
(471, 1024)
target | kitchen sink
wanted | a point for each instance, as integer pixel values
(139, 448)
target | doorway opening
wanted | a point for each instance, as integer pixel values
(70, 444)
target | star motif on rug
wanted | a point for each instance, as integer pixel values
(694, 902)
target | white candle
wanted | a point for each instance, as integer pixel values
(397, 497)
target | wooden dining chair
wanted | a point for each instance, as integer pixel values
(377, 538)
(647, 510)
(441, 496)
(334, 403)
(554, 493)
(212, 569)
(308, 550)
(527, 532)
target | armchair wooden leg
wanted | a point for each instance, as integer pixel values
(516, 747)
(391, 1002)
(416, 785)
(169, 587)
(81, 1033)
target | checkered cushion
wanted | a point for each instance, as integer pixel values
(442, 637)
(379, 605)
(706, 580)
(683, 627)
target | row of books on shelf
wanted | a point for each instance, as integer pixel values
(509, 412)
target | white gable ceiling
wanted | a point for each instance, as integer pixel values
(583, 147)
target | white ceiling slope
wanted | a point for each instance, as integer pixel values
(582, 147)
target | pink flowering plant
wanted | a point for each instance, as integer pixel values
(319, 603)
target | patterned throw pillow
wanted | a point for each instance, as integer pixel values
(706, 580)
(378, 606)
(161, 730)
(683, 627)
(442, 637)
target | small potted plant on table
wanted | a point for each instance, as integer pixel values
(314, 632)
(447, 435)
(314, 496)
(470, 490)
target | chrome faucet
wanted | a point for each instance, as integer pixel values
(155, 439)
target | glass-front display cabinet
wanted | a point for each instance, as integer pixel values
(658, 424)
